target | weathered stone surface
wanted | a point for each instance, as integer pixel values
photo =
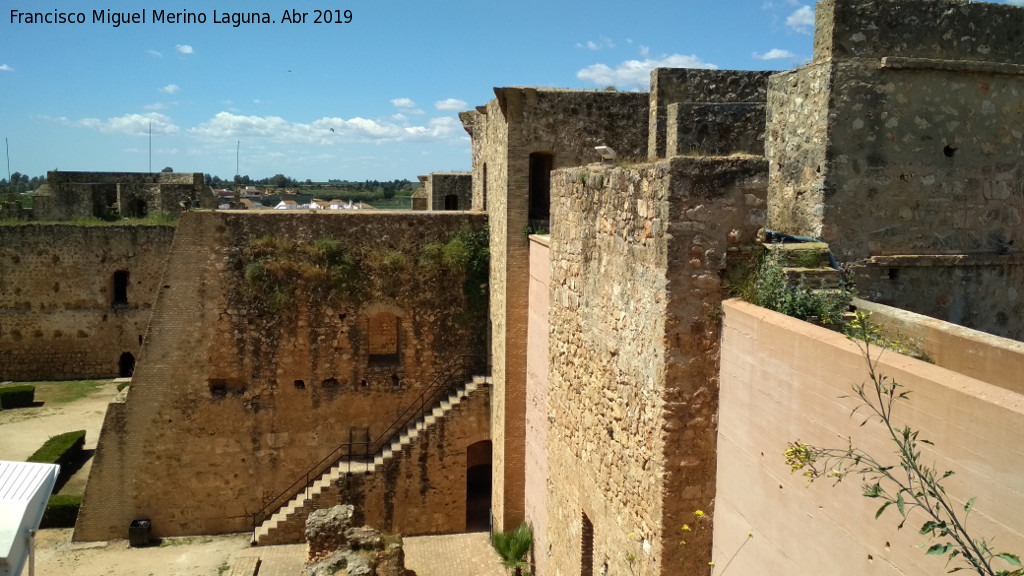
(565, 125)
(447, 191)
(327, 529)
(336, 547)
(696, 86)
(59, 318)
(897, 141)
(70, 195)
(636, 262)
(943, 29)
(235, 399)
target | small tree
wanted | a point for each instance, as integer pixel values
(512, 547)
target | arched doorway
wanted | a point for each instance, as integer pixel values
(126, 365)
(478, 487)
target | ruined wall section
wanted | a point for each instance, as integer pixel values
(715, 129)
(795, 146)
(566, 125)
(261, 382)
(943, 30)
(636, 264)
(440, 185)
(693, 85)
(71, 195)
(608, 293)
(59, 318)
(929, 156)
(914, 170)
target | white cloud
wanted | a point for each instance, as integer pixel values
(6, 68)
(155, 54)
(637, 72)
(131, 124)
(184, 49)
(324, 131)
(645, 51)
(603, 42)
(451, 104)
(774, 54)
(155, 107)
(802, 20)
(403, 103)
(170, 89)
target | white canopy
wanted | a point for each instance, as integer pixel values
(24, 490)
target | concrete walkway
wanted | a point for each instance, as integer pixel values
(449, 555)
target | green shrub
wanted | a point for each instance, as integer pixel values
(17, 396)
(61, 511)
(63, 449)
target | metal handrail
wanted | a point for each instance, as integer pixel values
(456, 373)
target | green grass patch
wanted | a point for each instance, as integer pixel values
(61, 511)
(62, 449)
(64, 391)
(17, 397)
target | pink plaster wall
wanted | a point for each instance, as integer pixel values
(781, 380)
(537, 396)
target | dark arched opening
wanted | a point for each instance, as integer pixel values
(540, 190)
(478, 486)
(126, 365)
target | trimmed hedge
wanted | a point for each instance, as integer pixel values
(17, 396)
(61, 511)
(63, 449)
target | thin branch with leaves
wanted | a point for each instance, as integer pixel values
(910, 484)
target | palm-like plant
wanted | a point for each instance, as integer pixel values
(512, 547)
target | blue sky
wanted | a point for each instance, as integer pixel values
(375, 98)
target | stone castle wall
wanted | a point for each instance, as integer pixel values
(440, 185)
(59, 318)
(71, 195)
(243, 385)
(567, 125)
(421, 490)
(944, 30)
(905, 157)
(694, 86)
(635, 286)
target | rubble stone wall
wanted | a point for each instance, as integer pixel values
(691, 85)
(58, 315)
(634, 316)
(243, 386)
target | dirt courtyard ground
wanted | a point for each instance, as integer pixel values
(66, 406)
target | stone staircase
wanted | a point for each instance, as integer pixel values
(807, 263)
(293, 513)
